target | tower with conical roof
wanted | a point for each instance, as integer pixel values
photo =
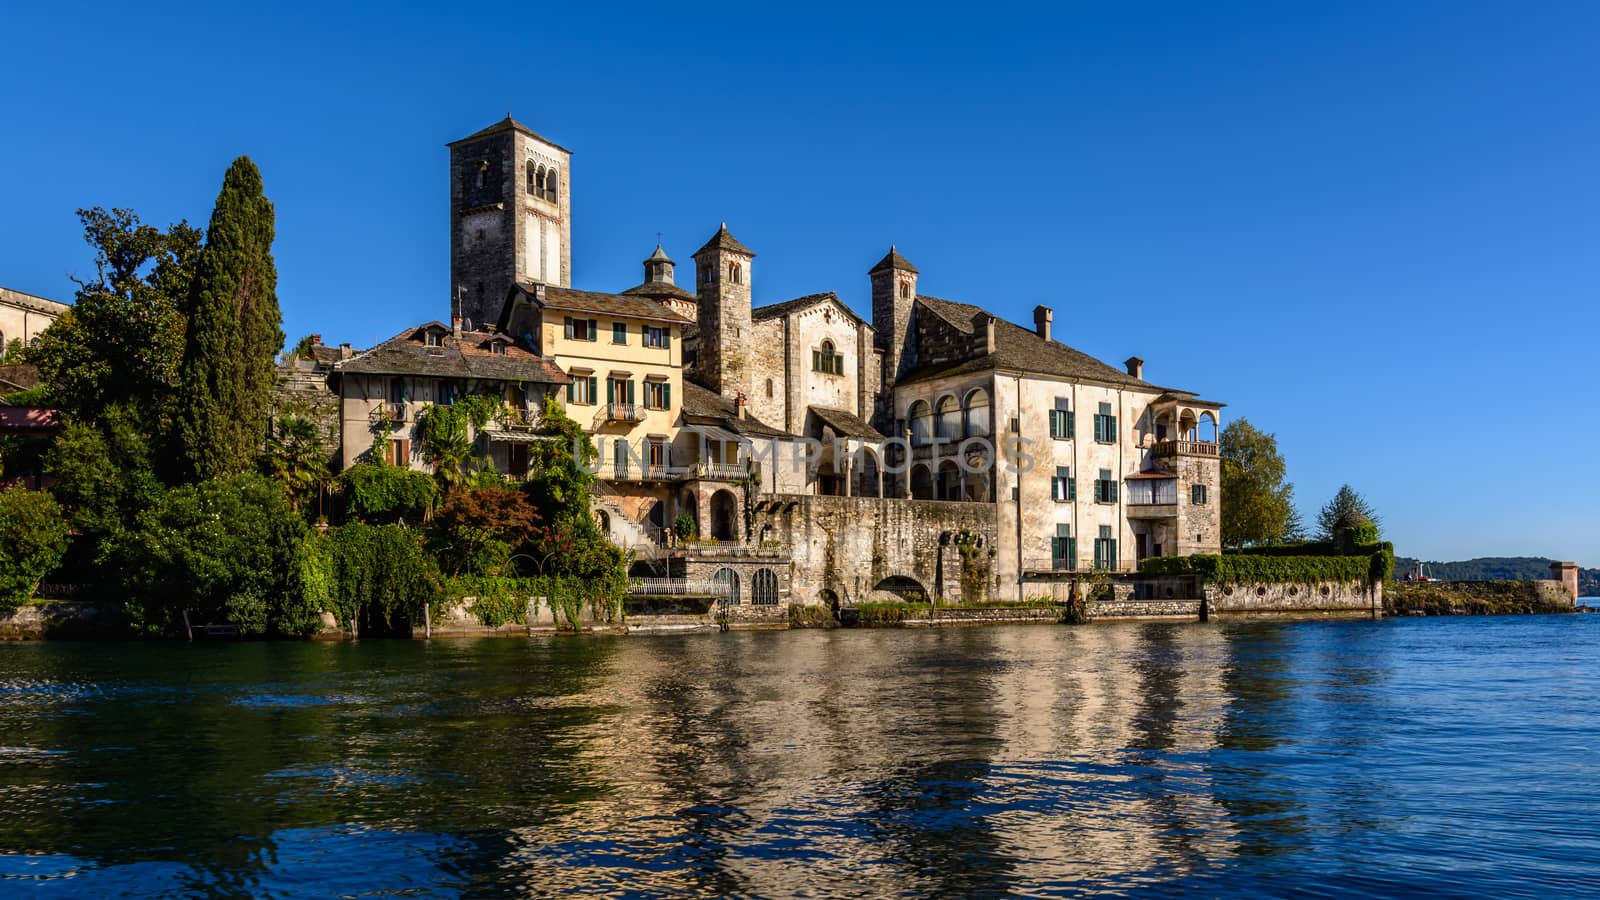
(722, 281)
(894, 292)
(659, 286)
(510, 216)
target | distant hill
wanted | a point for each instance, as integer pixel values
(1498, 568)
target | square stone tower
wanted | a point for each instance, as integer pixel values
(510, 217)
(894, 292)
(722, 281)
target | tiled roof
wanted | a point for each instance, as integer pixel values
(653, 289)
(468, 356)
(893, 261)
(846, 423)
(722, 240)
(627, 304)
(1017, 349)
(777, 310)
(33, 302)
(508, 124)
(660, 256)
(704, 403)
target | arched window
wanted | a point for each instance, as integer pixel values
(905, 290)
(735, 273)
(764, 588)
(550, 185)
(727, 580)
(949, 422)
(920, 419)
(827, 360)
(483, 172)
(532, 182)
(977, 409)
(769, 388)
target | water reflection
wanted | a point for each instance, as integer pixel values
(956, 762)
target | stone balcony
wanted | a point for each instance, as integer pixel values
(1184, 448)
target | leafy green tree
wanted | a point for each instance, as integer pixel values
(11, 352)
(33, 537)
(122, 341)
(302, 348)
(560, 484)
(294, 458)
(1257, 501)
(447, 434)
(1347, 510)
(105, 477)
(377, 492)
(224, 550)
(234, 332)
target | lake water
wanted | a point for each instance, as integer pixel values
(1450, 756)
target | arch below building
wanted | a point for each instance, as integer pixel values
(904, 587)
(724, 515)
(921, 483)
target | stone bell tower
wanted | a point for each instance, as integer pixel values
(722, 281)
(510, 216)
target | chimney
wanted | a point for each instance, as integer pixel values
(739, 403)
(455, 325)
(345, 351)
(1042, 317)
(1135, 367)
(316, 340)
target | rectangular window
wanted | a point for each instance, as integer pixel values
(399, 452)
(1063, 549)
(1105, 549)
(1105, 425)
(1063, 487)
(619, 390)
(582, 390)
(1197, 494)
(657, 336)
(1105, 488)
(619, 457)
(658, 453)
(1061, 420)
(657, 395)
(619, 332)
(581, 329)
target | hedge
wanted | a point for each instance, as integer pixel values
(1267, 569)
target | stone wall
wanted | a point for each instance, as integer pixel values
(1445, 598)
(851, 545)
(59, 619)
(307, 391)
(1339, 597)
(1127, 608)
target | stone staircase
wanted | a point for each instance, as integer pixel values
(644, 540)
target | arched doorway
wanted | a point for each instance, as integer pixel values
(728, 579)
(688, 505)
(949, 481)
(921, 484)
(724, 515)
(904, 587)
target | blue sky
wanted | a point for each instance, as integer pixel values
(1369, 229)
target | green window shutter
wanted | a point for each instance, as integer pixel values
(594, 329)
(1111, 428)
(1072, 552)
(593, 388)
(666, 395)
(630, 391)
(1072, 489)
(666, 337)
(1055, 488)
(611, 390)
(1072, 424)
(570, 386)
(568, 323)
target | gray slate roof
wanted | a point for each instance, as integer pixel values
(893, 261)
(1018, 349)
(654, 289)
(468, 356)
(508, 124)
(714, 409)
(722, 240)
(777, 310)
(844, 422)
(625, 304)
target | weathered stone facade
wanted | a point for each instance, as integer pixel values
(24, 316)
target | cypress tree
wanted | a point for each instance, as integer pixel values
(234, 332)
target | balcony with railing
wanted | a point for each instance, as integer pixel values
(1184, 448)
(1151, 496)
(612, 470)
(628, 413)
(719, 471)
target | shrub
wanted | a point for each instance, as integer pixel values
(224, 550)
(382, 575)
(385, 494)
(33, 537)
